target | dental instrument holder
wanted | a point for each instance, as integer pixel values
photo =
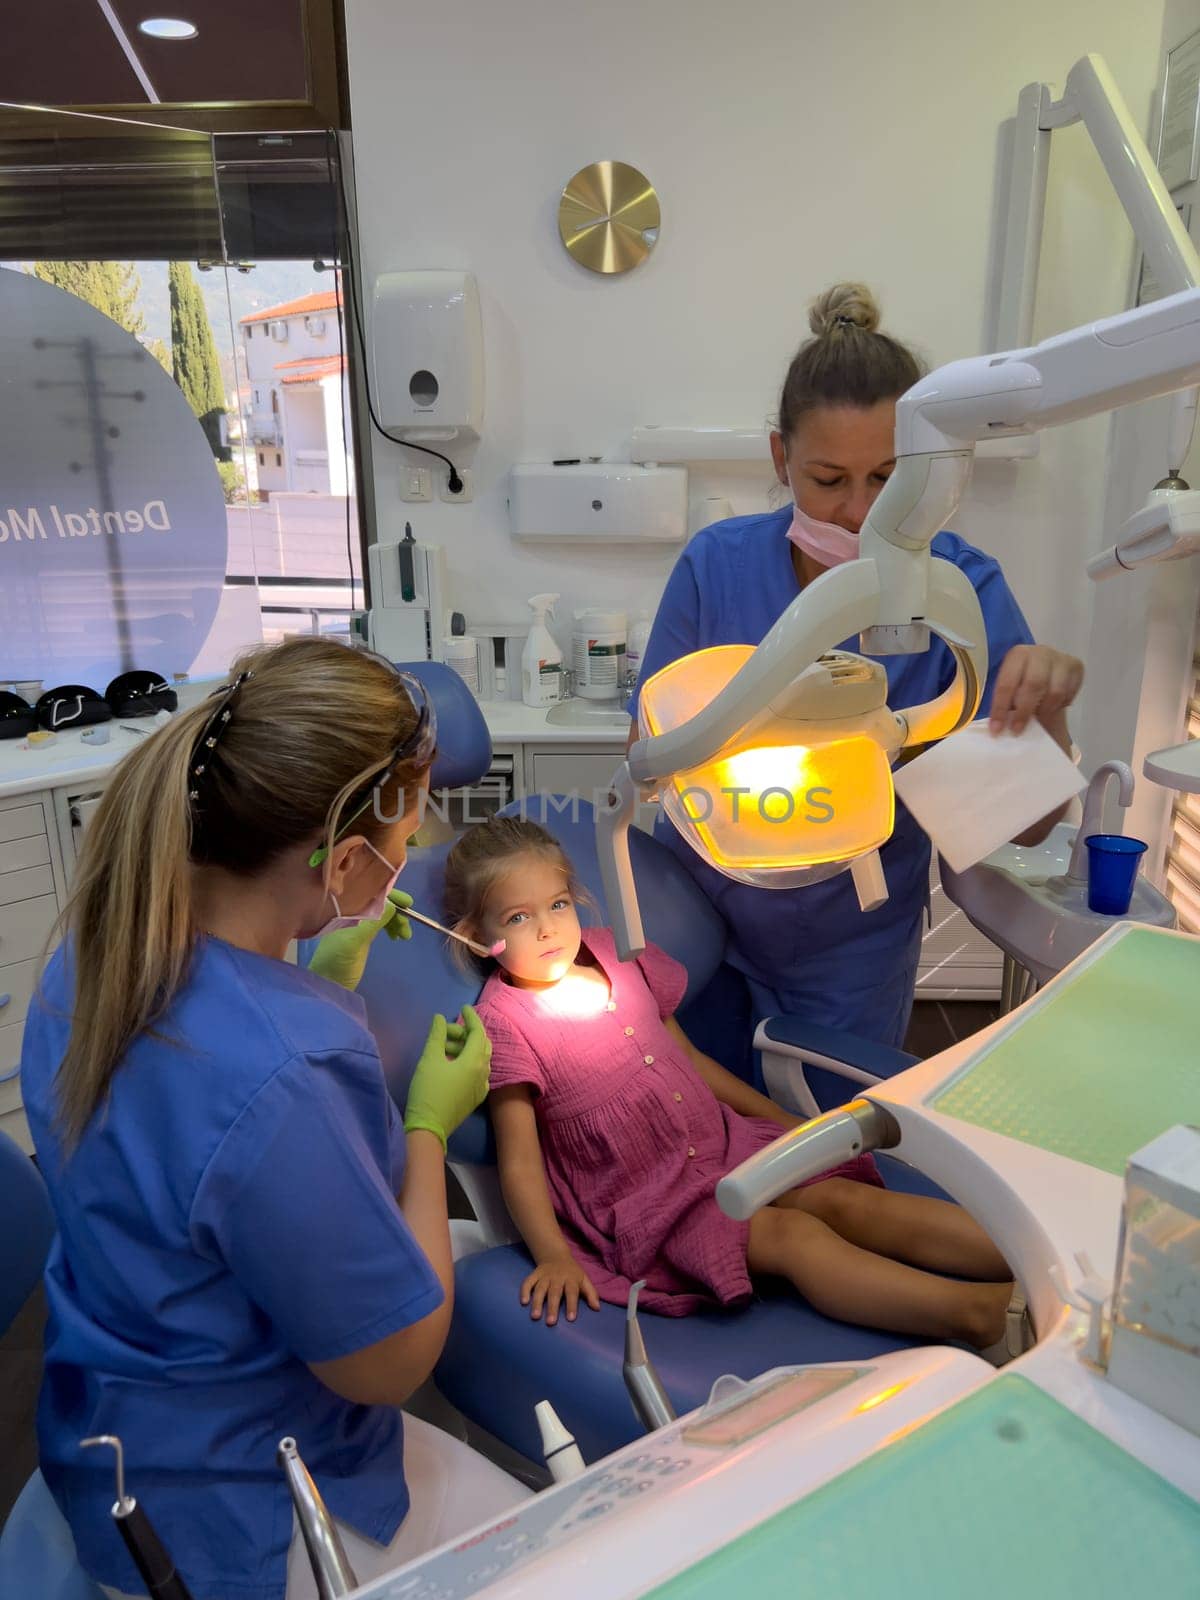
(651, 1403)
(895, 594)
(1154, 1333)
(815, 1147)
(150, 1557)
(332, 1572)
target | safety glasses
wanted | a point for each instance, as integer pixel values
(417, 748)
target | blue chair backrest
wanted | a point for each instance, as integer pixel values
(405, 984)
(25, 1231)
(464, 745)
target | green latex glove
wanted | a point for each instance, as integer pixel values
(451, 1077)
(342, 956)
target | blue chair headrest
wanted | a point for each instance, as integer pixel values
(464, 745)
(405, 983)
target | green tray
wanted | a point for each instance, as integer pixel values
(1101, 1065)
(1006, 1494)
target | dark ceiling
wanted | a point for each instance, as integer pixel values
(66, 53)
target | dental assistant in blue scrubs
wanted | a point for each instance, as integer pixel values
(812, 951)
(249, 1244)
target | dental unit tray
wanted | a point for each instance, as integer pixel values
(1005, 1493)
(1066, 1074)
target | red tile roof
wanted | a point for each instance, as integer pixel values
(307, 305)
(310, 369)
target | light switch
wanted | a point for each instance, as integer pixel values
(416, 484)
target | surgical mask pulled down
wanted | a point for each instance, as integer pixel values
(369, 913)
(825, 542)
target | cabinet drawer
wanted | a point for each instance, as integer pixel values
(22, 822)
(25, 927)
(26, 884)
(584, 773)
(16, 990)
(16, 854)
(10, 1055)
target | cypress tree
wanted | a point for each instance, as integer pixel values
(194, 354)
(111, 286)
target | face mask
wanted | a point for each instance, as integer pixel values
(370, 913)
(825, 542)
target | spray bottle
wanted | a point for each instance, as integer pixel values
(541, 659)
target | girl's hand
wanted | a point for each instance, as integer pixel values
(552, 1281)
(1033, 681)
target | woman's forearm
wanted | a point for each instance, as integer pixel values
(423, 1201)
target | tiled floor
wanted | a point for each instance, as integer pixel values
(935, 1025)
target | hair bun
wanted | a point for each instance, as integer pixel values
(846, 304)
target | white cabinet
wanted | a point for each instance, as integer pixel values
(580, 772)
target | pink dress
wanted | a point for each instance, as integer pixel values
(632, 1139)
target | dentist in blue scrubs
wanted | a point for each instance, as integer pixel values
(812, 951)
(249, 1243)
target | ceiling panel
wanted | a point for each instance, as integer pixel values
(66, 54)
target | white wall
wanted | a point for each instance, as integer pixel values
(792, 144)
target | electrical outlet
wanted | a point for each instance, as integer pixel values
(468, 486)
(416, 484)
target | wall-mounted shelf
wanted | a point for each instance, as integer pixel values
(700, 444)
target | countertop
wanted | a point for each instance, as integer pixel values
(68, 761)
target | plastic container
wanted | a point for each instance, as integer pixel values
(635, 648)
(598, 654)
(1113, 862)
(541, 659)
(461, 651)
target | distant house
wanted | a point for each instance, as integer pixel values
(299, 395)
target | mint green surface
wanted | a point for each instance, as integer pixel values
(1100, 1067)
(1005, 1495)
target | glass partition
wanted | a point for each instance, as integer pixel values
(175, 433)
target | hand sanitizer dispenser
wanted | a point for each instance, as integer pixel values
(427, 355)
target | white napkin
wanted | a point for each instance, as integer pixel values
(975, 790)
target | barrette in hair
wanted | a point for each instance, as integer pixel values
(210, 735)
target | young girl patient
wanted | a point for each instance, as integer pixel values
(613, 1129)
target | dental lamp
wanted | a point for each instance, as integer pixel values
(786, 718)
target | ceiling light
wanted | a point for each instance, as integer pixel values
(168, 28)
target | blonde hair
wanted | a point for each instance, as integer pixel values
(310, 727)
(847, 362)
(479, 860)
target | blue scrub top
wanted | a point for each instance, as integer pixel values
(812, 952)
(226, 1218)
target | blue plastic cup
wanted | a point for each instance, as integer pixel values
(1113, 862)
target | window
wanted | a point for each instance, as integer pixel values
(315, 327)
(1183, 851)
(130, 239)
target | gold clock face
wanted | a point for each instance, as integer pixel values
(609, 217)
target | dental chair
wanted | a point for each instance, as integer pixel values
(37, 1552)
(497, 1362)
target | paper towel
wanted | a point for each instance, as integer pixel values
(975, 790)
